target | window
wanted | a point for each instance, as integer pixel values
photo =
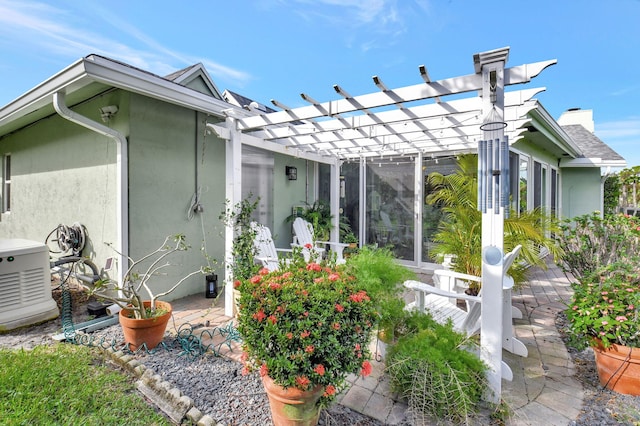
(6, 183)
(524, 181)
(554, 193)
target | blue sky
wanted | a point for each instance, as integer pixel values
(276, 49)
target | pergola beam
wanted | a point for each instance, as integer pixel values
(422, 91)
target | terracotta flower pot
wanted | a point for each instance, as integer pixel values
(147, 330)
(291, 406)
(618, 368)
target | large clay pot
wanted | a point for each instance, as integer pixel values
(618, 368)
(291, 406)
(147, 330)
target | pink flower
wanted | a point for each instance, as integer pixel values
(333, 277)
(309, 349)
(302, 382)
(255, 279)
(236, 284)
(319, 369)
(308, 246)
(260, 315)
(264, 370)
(605, 322)
(263, 271)
(305, 334)
(330, 390)
(339, 307)
(621, 318)
(367, 368)
(272, 319)
(313, 267)
(275, 286)
(336, 326)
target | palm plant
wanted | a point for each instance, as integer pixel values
(460, 231)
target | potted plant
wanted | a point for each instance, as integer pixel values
(305, 327)
(604, 309)
(143, 316)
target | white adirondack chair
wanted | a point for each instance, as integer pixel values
(266, 251)
(442, 302)
(303, 236)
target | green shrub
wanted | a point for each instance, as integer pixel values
(434, 371)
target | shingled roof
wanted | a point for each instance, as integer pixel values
(591, 145)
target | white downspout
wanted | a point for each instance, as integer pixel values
(603, 179)
(122, 187)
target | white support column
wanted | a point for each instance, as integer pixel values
(233, 194)
(362, 202)
(492, 70)
(418, 206)
(335, 200)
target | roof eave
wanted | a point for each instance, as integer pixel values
(98, 69)
(591, 162)
(544, 122)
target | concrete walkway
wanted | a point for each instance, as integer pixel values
(543, 390)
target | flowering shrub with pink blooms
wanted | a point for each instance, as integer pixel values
(306, 325)
(605, 306)
(603, 254)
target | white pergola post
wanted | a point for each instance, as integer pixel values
(233, 194)
(491, 65)
(334, 202)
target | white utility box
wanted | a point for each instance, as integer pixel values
(25, 284)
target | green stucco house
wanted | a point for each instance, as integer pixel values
(134, 157)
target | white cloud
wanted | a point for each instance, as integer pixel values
(627, 128)
(39, 26)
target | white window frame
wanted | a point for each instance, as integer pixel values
(5, 190)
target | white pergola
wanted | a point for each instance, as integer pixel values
(428, 119)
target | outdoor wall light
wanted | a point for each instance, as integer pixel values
(107, 112)
(291, 172)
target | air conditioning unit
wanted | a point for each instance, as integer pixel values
(25, 284)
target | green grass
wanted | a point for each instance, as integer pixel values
(68, 385)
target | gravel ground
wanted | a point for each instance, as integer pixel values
(218, 389)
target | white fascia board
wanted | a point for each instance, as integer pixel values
(591, 162)
(72, 76)
(97, 69)
(125, 77)
(546, 124)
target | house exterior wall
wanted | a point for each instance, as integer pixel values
(580, 191)
(168, 147)
(289, 193)
(63, 173)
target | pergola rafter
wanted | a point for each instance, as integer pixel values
(431, 128)
(287, 126)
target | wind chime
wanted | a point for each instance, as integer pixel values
(493, 167)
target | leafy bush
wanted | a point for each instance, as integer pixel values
(435, 372)
(380, 274)
(605, 307)
(589, 241)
